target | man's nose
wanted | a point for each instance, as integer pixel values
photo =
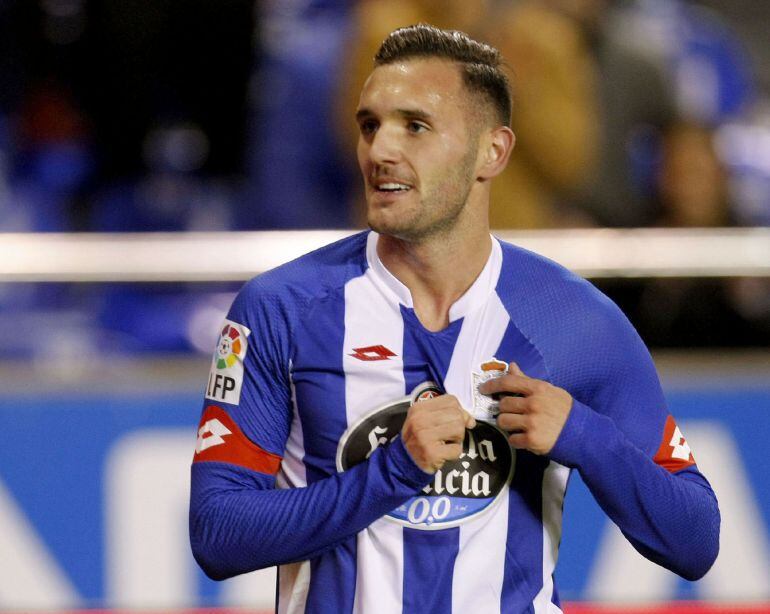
(385, 147)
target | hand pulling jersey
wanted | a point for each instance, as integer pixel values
(299, 461)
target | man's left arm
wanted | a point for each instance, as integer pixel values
(660, 501)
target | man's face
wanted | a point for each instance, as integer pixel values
(416, 149)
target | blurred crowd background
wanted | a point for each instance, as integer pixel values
(181, 115)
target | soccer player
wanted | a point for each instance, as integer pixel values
(392, 419)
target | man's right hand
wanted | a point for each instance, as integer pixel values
(434, 431)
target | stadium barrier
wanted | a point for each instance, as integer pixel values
(228, 256)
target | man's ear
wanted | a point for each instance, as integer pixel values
(496, 146)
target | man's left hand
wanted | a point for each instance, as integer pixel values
(534, 419)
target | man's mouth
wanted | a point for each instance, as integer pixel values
(391, 187)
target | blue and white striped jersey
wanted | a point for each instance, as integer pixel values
(299, 462)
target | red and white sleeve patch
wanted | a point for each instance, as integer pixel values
(674, 454)
(221, 440)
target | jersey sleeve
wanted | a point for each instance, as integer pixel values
(238, 520)
(249, 373)
(629, 450)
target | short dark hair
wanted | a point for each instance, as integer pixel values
(481, 64)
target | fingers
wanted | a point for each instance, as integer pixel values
(510, 382)
(449, 451)
(519, 441)
(454, 432)
(438, 417)
(514, 405)
(442, 410)
(514, 381)
(434, 431)
(513, 422)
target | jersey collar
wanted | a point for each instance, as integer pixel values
(474, 297)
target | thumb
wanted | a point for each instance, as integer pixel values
(514, 368)
(470, 421)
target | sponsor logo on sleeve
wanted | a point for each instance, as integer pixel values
(221, 440)
(674, 453)
(211, 433)
(462, 489)
(226, 374)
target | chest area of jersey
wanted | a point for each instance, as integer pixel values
(359, 371)
(363, 352)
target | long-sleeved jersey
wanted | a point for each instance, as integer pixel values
(299, 462)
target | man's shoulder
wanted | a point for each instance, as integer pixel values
(567, 319)
(531, 271)
(316, 273)
(540, 289)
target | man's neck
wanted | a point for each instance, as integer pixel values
(437, 271)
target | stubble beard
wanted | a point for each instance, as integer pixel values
(437, 213)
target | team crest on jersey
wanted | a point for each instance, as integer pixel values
(226, 374)
(460, 490)
(486, 407)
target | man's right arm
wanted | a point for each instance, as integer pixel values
(239, 522)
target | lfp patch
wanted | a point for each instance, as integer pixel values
(486, 407)
(226, 374)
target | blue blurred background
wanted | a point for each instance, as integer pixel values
(171, 115)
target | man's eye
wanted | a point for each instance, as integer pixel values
(368, 126)
(417, 127)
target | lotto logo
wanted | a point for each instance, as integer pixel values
(679, 444)
(211, 434)
(674, 454)
(217, 428)
(372, 352)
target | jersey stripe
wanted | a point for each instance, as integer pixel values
(373, 318)
(428, 555)
(380, 564)
(320, 342)
(292, 474)
(426, 355)
(333, 580)
(525, 556)
(293, 579)
(293, 586)
(483, 551)
(428, 569)
(554, 487)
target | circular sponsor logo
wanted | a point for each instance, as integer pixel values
(228, 347)
(460, 490)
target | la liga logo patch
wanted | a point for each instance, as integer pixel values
(229, 347)
(226, 374)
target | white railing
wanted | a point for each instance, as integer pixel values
(223, 256)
